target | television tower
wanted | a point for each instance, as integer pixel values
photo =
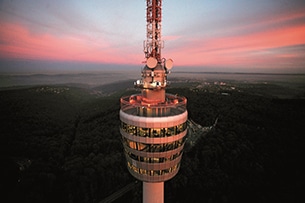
(153, 123)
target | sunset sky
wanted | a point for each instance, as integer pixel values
(242, 35)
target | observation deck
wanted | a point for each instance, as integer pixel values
(134, 105)
(153, 136)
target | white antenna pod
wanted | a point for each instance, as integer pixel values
(169, 64)
(151, 62)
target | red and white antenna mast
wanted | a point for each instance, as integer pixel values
(153, 43)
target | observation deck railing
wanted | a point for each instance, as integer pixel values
(134, 105)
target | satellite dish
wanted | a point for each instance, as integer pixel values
(151, 62)
(169, 64)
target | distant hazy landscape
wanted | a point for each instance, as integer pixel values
(289, 84)
(89, 79)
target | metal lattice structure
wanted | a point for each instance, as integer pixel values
(153, 43)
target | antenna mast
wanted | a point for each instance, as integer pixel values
(153, 43)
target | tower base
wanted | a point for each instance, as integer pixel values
(153, 192)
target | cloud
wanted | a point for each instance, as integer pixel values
(214, 33)
(171, 37)
(18, 42)
(259, 48)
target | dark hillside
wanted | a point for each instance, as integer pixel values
(62, 144)
(64, 140)
(111, 88)
(253, 155)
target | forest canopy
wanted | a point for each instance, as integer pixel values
(62, 144)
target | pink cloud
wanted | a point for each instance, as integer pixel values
(259, 48)
(255, 49)
(170, 37)
(18, 42)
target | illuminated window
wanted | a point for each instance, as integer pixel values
(153, 172)
(132, 144)
(155, 132)
(154, 159)
(143, 171)
(141, 146)
(153, 147)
